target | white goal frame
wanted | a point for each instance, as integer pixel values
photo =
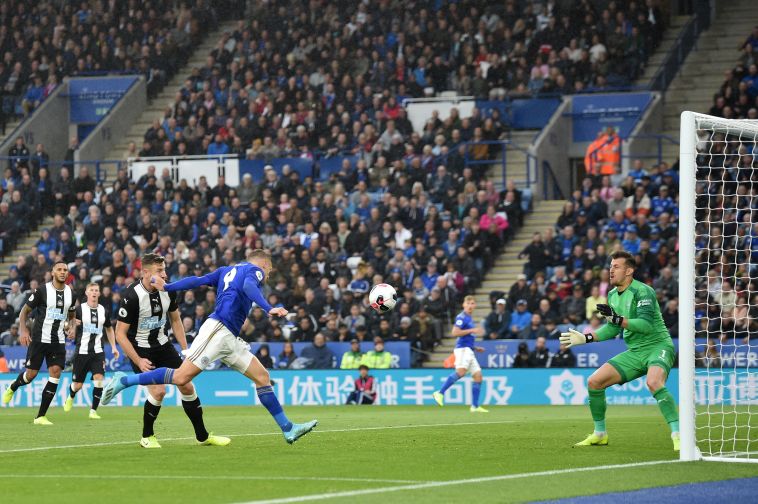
(687, 274)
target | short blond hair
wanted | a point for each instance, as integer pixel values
(259, 254)
(469, 298)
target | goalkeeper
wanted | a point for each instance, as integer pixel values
(633, 311)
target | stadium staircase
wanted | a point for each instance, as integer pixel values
(506, 268)
(157, 107)
(667, 42)
(155, 110)
(702, 73)
(10, 127)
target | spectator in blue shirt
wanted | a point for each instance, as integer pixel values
(520, 318)
(34, 95)
(429, 277)
(637, 171)
(631, 241)
(663, 202)
(218, 147)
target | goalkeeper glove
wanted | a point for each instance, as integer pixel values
(610, 314)
(574, 338)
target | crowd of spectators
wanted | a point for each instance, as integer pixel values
(565, 276)
(299, 81)
(431, 231)
(737, 98)
(43, 42)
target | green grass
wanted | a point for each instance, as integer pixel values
(510, 440)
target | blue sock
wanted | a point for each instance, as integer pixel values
(268, 399)
(449, 382)
(154, 377)
(476, 388)
(599, 425)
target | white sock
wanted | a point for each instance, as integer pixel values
(600, 434)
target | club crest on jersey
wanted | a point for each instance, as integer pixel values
(156, 305)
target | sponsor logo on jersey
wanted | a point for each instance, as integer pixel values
(259, 275)
(55, 314)
(92, 328)
(151, 323)
(643, 302)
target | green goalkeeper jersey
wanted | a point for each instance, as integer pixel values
(639, 306)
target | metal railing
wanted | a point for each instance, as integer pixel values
(530, 168)
(101, 166)
(548, 175)
(659, 139)
(684, 43)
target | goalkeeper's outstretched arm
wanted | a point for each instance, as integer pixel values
(574, 337)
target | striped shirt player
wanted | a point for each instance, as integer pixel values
(143, 314)
(238, 286)
(92, 321)
(465, 330)
(51, 306)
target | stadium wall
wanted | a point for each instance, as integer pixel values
(406, 387)
(47, 125)
(645, 140)
(552, 144)
(116, 124)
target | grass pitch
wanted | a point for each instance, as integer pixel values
(357, 454)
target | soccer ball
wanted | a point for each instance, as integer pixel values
(382, 297)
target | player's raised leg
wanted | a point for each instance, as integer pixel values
(24, 378)
(604, 377)
(259, 375)
(439, 396)
(73, 389)
(656, 383)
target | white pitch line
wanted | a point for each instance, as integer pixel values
(438, 484)
(205, 477)
(254, 434)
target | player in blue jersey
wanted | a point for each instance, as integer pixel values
(465, 330)
(238, 286)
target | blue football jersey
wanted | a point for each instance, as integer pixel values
(464, 321)
(233, 302)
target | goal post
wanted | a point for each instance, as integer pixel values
(687, 188)
(718, 279)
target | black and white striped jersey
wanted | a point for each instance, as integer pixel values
(50, 309)
(147, 315)
(89, 335)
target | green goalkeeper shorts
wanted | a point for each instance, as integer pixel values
(632, 364)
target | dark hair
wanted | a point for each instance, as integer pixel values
(362, 366)
(628, 258)
(152, 259)
(56, 263)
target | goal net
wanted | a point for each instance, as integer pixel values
(718, 288)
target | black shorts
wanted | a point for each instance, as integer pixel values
(52, 353)
(162, 356)
(88, 363)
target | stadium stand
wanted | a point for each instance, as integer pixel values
(43, 43)
(262, 95)
(718, 50)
